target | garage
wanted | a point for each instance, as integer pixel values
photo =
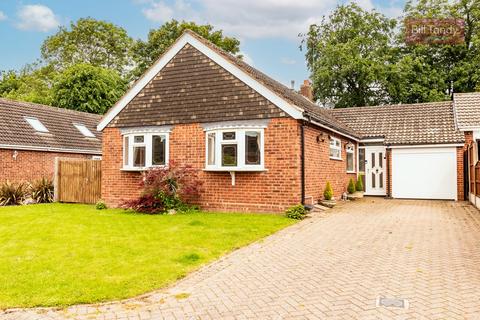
(424, 173)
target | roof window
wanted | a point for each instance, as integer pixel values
(84, 130)
(36, 124)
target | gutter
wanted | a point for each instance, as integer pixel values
(48, 149)
(309, 119)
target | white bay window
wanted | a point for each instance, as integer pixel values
(235, 149)
(142, 150)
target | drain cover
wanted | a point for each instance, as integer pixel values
(392, 302)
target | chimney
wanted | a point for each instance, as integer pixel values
(306, 90)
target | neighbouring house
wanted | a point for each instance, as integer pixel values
(33, 135)
(261, 146)
(467, 120)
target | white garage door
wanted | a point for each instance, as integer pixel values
(424, 173)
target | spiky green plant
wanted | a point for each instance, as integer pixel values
(41, 190)
(12, 193)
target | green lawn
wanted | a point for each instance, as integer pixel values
(62, 254)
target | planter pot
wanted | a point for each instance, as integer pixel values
(355, 195)
(328, 203)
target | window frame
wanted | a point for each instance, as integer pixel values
(128, 138)
(84, 130)
(350, 149)
(241, 149)
(36, 124)
(334, 147)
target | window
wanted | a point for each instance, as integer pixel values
(335, 148)
(350, 158)
(143, 150)
(234, 150)
(211, 148)
(84, 130)
(36, 124)
(361, 159)
(252, 147)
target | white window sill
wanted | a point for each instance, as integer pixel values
(351, 172)
(235, 169)
(335, 158)
(137, 169)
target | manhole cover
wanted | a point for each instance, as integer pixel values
(392, 302)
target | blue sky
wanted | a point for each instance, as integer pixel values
(268, 29)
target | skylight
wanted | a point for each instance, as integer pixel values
(84, 130)
(36, 124)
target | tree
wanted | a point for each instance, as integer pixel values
(98, 43)
(349, 56)
(33, 84)
(87, 88)
(159, 40)
(432, 72)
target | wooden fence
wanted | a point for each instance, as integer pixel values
(77, 180)
(473, 171)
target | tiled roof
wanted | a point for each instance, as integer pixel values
(310, 109)
(422, 123)
(467, 110)
(62, 135)
(320, 114)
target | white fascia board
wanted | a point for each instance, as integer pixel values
(292, 110)
(426, 146)
(48, 149)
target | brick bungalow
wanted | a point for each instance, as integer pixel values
(33, 135)
(260, 146)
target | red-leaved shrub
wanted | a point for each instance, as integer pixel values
(165, 188)
(145, 204)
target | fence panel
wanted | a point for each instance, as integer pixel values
(78, 180)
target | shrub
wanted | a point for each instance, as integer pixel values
(41, 190)
(296, 212)
(12, 193)
(100, 205)
(351, 186)
(328, 192)
(145, 204)
(172, 187)
(359, 185)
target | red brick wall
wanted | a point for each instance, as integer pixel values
(270, 191)
(460, 175)
(30, 165)
(319, 168)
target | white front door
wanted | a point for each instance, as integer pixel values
(375, 171)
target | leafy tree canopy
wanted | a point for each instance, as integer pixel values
(88, 88)
(98, 43)
(348, 55)
(359, 57)
(159, 40)
(32, 84)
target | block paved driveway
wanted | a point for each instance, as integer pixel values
(331, 266)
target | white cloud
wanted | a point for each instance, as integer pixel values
(289, 61)
(2, 16)
(251, 19)
(37, 17)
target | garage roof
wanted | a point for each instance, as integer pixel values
(39, 127)
(467, 110)
(407, 124)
